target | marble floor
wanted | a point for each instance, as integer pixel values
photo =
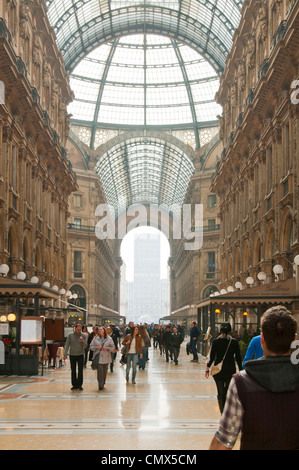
(169, 408)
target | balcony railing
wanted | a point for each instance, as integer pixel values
(81, 228)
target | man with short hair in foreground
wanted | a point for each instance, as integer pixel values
(262, 400)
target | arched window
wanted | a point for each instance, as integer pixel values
(257, 253)
(208, 291)
(80, 301)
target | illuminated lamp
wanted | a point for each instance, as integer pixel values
(278, 269)
(4, 268)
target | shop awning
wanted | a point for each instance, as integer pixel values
(181, 313)
(281, 292)
(13, 287)
(110, 315)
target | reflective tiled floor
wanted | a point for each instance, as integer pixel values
(170, 408)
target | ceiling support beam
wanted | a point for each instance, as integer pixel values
(101, 90)
(188, 88)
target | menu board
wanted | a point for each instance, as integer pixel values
(54, 329)
(4, 329)
(31, 330)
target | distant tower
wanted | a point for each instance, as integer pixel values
(148, 291)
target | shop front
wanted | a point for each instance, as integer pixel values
(21, 325)
(244, 309)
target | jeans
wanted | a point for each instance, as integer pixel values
(193, 348)
(132, 359)
(176, 352)
(77, 380)
(142, 362)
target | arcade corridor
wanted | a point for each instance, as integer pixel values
(170, 408)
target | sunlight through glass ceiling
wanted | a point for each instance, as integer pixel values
(144, 80)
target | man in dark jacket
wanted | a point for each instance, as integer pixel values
(175, 341)
(194, 335)
(262, 400)
(166, 343)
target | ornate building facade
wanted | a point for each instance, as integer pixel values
(93, 270)
(257, 178)
(36, 178)
(194, 275)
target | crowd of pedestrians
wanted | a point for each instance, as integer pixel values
(132, 341)
(249, 400)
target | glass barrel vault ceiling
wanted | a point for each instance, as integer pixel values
(143, 64)
(145, 171)
(206, 25)
(144, 80)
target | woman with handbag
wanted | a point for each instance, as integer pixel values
(225, 352)
(102, 345)
(133, 342)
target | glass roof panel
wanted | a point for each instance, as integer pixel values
(207, 25)
(144, 63)
(123, 115)
(134, 171)
(144, 80)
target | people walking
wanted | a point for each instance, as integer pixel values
(85, 331)
(155, 335)
(176, 340)
(134, 343)
(75, 345)
(111, 332)
(194, 335)
(146, 343)
(160, 339)
(102, 345)
(123, 359)
(166, 343)
(92, 335)
(226, 346)
(262, 400)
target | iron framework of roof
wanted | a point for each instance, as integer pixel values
(145, 171)
(140, 170)
(206, 25)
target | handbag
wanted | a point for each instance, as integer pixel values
(217, 368)
(125, 349)
(95, 362)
